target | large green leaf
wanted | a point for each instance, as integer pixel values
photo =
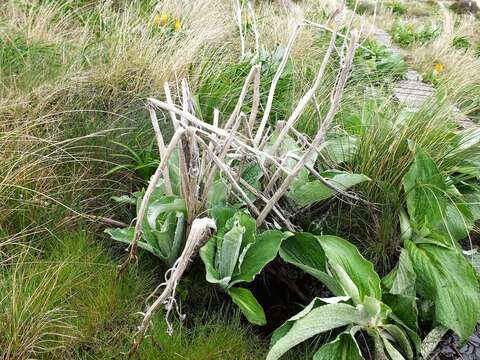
(401, 280)
(343, 253)
(392, 352)
(445, 277)
(260, 253)
(425, 190)
(249, 306)
(314, 322)
(458, 221)
(314, 191)
(218, 193)
(400, 339)
(404, 309)
(344, 347)
(229, 251)
(166, 204)
(341, 149)
(125, 235)
(207, 254)
(304, 251)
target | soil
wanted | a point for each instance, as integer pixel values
(450, 348)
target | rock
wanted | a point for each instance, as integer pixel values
(465, 7)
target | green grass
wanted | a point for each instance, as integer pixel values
(74, 77)
(66, 302)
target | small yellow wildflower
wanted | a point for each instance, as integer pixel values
(178, 25)
(438, 68)
(160, 20)
(163, 19)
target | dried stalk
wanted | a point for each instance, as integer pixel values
(221, 157)
(273, 86)
(161, 148)
(253, 73)
(200, 231)
(230, 177)
(326, 28)
(254, 25)
(306, 98)
(218, 131)
(319, 138)
(255, 100)
(146, 197)
(240, 27)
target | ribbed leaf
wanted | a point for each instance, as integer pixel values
(315, 191)
(249, 306)
(227, 254)
(445, 277)
(345, 254)
(316, 321)
(344, 347)
(425, 189)
(260, 253)
(304, 251)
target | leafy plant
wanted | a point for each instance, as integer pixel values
(431, 230)
(406, 35)
(460, 42)
(236, 254)
(163, 231)
(397, 8)
(379, 65)
(356, 305)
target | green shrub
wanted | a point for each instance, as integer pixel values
(406, 35)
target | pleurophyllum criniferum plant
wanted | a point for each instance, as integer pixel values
(246, 176)
(358, 304)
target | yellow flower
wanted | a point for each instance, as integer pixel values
(160, 20)
(178, 25)
(163, 19)
(438, 68)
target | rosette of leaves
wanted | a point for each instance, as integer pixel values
(439, 214)
(163, 228)
(236, 254)
(358, 304)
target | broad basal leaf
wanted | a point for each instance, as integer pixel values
(207, 254)
(401, 280)
(425, 190)
(125, 235)
(314, 190)
(458, 221)
(400, 339)
(249, 306)
(229, 251)
(316, 321)
(341, 149)
(445, 277)
(344, 347)
(343, 253)
(260, 253)
(218, 193)
(304, 251)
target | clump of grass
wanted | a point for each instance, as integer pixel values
(63, 299)
(381, 152)
(65, 302)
